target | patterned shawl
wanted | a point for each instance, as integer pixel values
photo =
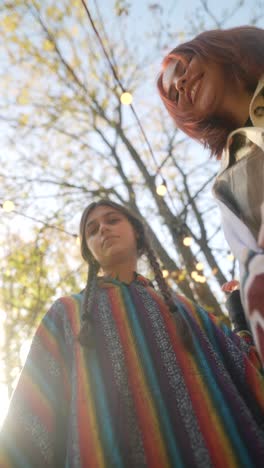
(139, 398)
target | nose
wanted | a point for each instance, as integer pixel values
(180, 83)
(103, 228)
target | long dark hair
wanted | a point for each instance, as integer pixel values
(143, 247)
(241, 52)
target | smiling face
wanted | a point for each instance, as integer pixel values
(110, 237)
(203, 89)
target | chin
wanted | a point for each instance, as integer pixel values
(115, 254)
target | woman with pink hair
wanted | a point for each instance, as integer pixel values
(213, 88)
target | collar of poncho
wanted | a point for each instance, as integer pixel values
(109, 282)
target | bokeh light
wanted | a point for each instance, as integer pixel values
(187, 241)
(8, 206)
(126, 98)
(161, 190)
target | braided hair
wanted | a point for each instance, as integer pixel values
(143, 247)
(182, 325)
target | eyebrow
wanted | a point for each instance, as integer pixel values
(93, 221)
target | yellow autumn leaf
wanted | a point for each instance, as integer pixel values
(23, 98)
(181, 276)
(26, 45)
(35, 3)
(10, 23)
(75, 63)
(181, 35)
(23, 119)
(74, 31)
(48, 45)
(64, 99)
(53, 12)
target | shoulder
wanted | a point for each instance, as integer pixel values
(205, 320)
(214, 327)
(252, 134)
(65, 305)
(63, 315)
(190, 309)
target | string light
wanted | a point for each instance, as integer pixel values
(230, 257)
(8, 206)
(126, 98)
(112, 64)
(161, 190)
(78, 241)
(201, 279)
(187, 241)
(198, 278)
(199, 266)
(165, 273)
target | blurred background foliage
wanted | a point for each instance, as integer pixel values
(70, 135)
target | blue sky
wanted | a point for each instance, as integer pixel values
(181, 10)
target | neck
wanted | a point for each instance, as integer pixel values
(240, 107)
(123, 272)
(243, 110)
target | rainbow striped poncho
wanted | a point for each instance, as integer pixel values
(138, 398)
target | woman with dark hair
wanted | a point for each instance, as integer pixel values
(122, 375)
(213, 87)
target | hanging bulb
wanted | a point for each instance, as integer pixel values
(187, 241)
(194, 275)
(230, 257)
(126, 98)
(8, 206)
(161, 190)
(199, 266)
(201, 279)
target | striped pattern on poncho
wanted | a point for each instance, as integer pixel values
(138, 398)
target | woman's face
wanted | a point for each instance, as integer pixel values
(110, 236)
(200, 88)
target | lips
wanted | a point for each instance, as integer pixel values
(107, 238)
(193, 87)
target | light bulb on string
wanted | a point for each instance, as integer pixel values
(201, 279)
(198, 278)
(230, 257)
(126, 98)
(165, 273)
(8, 206)
(194, 274)
(161, 190)
(187, 241)
(199, 266)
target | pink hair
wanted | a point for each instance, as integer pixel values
(241, 51)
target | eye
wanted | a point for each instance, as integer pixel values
(92, 231)
(113, 220)
(180, 69)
